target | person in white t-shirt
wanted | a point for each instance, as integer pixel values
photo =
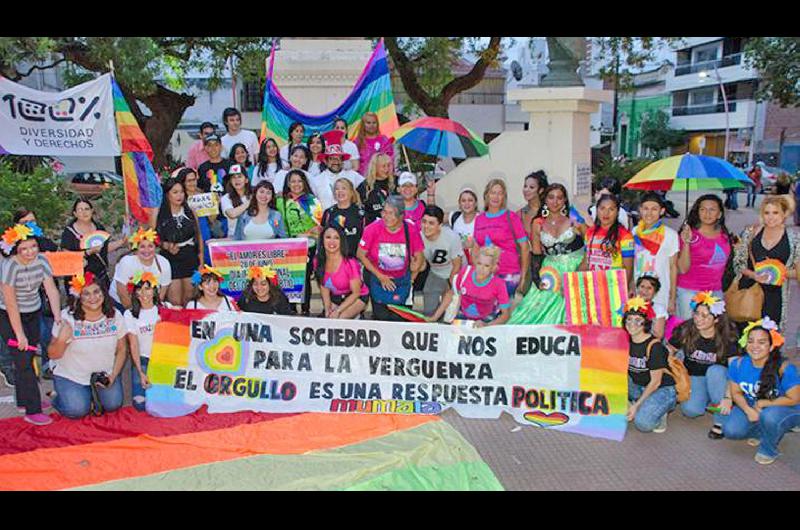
(656, 249)
(89, 349)
(322, 184)
(206, 282)
(140, 325)
(297, 131)
(316, 146)
(269, 162)
(237, 197)
(300, 158)
(232, 119)
(144, 243)
(462, 221)
(444, 256)
(349, 147)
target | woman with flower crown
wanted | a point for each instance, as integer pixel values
(706, 342)
(207, 282)
(765, 391)
(262, 294)
(144, 243)
(21, 311)
(651, 390)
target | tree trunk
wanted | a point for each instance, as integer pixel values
(167, 109)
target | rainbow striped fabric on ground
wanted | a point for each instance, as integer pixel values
(371, 93)
(142, 185)
(130, 450)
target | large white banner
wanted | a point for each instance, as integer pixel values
(76, 122)
(571, 378)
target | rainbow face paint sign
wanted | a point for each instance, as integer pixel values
(595, 297)
(287, 257)
(566, 378)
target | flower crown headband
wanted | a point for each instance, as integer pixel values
(715, 305)
(79, 282)
(637, 304)
(144, 235)
(769, 325)
(197, 277)
(17, 233)
(140, 278)
(256, 273)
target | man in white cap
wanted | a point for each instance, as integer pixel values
(333, 157)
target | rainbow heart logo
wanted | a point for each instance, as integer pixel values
(542, 419)
(222, 355)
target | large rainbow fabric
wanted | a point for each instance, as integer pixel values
(371, 93)
(595, 297)
(142, 185)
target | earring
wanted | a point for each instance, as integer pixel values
(564, 210)
(545, 211)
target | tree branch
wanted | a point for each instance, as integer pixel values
(19, 75)
(474, 76)
(409, 77)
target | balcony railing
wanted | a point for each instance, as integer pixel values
(728, 60)
(692, 110)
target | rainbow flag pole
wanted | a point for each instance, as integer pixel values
(126, 224)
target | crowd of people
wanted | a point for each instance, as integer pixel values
(373, 242)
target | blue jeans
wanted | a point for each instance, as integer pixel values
(772, 424)
(74, 400)
(683, 300)
(751, 195)
(136, 384)
(733, 199)
(705, 390)
(654, 407)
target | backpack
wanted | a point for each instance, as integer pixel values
(678, 372)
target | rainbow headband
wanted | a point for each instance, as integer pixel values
(715, 305)
(139, 278)
(205, 270)
(78, 282)
(17, 233)
(257, 273)
(144, 235)
(769, 325)
(639, 305)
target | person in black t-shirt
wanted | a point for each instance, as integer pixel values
(706, 342)
(213, 173)
(377, 186)
(651, 390)
(262, 294)
(347, 214)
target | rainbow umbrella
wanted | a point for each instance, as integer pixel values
(689, 172)
(440, 137)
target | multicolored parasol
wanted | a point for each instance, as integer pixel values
(440, 137)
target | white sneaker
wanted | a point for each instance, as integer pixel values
(764, 459)
(662, 425)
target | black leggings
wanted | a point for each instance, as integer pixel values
(27, 386)
(305, 307)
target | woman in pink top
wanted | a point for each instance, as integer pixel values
(370, 141)
(705, 248)
(502, 228)
(343, 293)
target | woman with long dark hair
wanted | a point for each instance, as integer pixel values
(299, 160)
(261, 220)
(609, 245)
(339, 276)
(765, 391)
(269, 162)
(181, 240)
(262, 294)
(316, 146)
(240, 155)
(297, 131)
(705, 251)
(140, 324)
(237, 197)
(207, 282)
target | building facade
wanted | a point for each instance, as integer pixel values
(647, 97)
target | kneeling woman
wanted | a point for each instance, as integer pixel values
(765, 392)
(89, 341)
(206, 282)
(262, 294)
(343, 293)
(651, 390)
(140, 324)
(707, 341)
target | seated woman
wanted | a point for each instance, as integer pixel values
(140, 324)
(89, 346)
(144, 243)
(651, 390)
(707, 342)
(343, 293)
(765, 391)
(484, 296)
(262, 294)
(206, 282)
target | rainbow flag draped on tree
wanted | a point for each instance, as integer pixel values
(371, 93)
(142, 185)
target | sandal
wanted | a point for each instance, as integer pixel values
(716, 432)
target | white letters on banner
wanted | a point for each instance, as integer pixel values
(571, 378)
(76, 122)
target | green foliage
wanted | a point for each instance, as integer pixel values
(622, 172)
(624, 55)
(777, 60)
(42, 191)
(656, 134)
(110, 208)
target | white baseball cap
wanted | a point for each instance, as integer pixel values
(407, 178)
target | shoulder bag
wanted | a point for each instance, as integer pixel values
(677, 370)
(744, 305)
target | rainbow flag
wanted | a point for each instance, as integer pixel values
(142, 185)
(595, 297)
(371, 93)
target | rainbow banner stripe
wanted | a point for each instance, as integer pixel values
(595, 297)
(288, 257)
(142, 184)
(371, 93)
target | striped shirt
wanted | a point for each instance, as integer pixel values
(25, 280)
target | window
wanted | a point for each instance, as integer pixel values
(706, 53)
(704, 96)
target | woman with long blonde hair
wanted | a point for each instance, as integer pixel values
(370, 141)
(378, 184)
